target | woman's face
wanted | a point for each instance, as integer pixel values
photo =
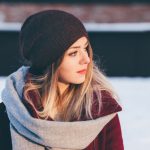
(75, 62)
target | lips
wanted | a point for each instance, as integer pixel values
(82, 71)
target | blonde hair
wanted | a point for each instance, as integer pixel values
(76, 99)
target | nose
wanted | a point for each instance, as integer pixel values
(84, 58)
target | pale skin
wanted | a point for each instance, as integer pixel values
(75, 59)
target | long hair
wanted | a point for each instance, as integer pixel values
(75, 100)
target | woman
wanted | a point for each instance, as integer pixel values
(59, 99)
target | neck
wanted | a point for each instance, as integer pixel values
(62, 87)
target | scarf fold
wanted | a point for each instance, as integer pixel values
(31, 133)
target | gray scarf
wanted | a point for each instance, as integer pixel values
(37, 134)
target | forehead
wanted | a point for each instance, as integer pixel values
(79, 42)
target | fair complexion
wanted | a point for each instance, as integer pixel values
(72, 70)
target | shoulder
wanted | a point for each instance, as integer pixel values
(5, 137)
(3, 116)
(2, 107)
(108, 104)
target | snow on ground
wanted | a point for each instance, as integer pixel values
(135, 120)
(134, 95)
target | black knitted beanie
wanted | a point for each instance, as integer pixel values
(46, 35)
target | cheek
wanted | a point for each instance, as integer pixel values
(67, 72)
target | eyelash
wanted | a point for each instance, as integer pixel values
(71, 54)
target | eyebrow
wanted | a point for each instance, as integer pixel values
(78, 46)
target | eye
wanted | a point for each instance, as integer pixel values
(86, 49)
(73, 53)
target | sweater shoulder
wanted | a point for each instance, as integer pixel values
(108, 105)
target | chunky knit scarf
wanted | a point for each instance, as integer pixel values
(37, 134)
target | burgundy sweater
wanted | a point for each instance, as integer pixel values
(110, 138)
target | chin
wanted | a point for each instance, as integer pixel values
(79, 82)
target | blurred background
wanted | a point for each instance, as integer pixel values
(119, 32)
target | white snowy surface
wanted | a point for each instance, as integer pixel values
(135, 118)
(134, 95)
